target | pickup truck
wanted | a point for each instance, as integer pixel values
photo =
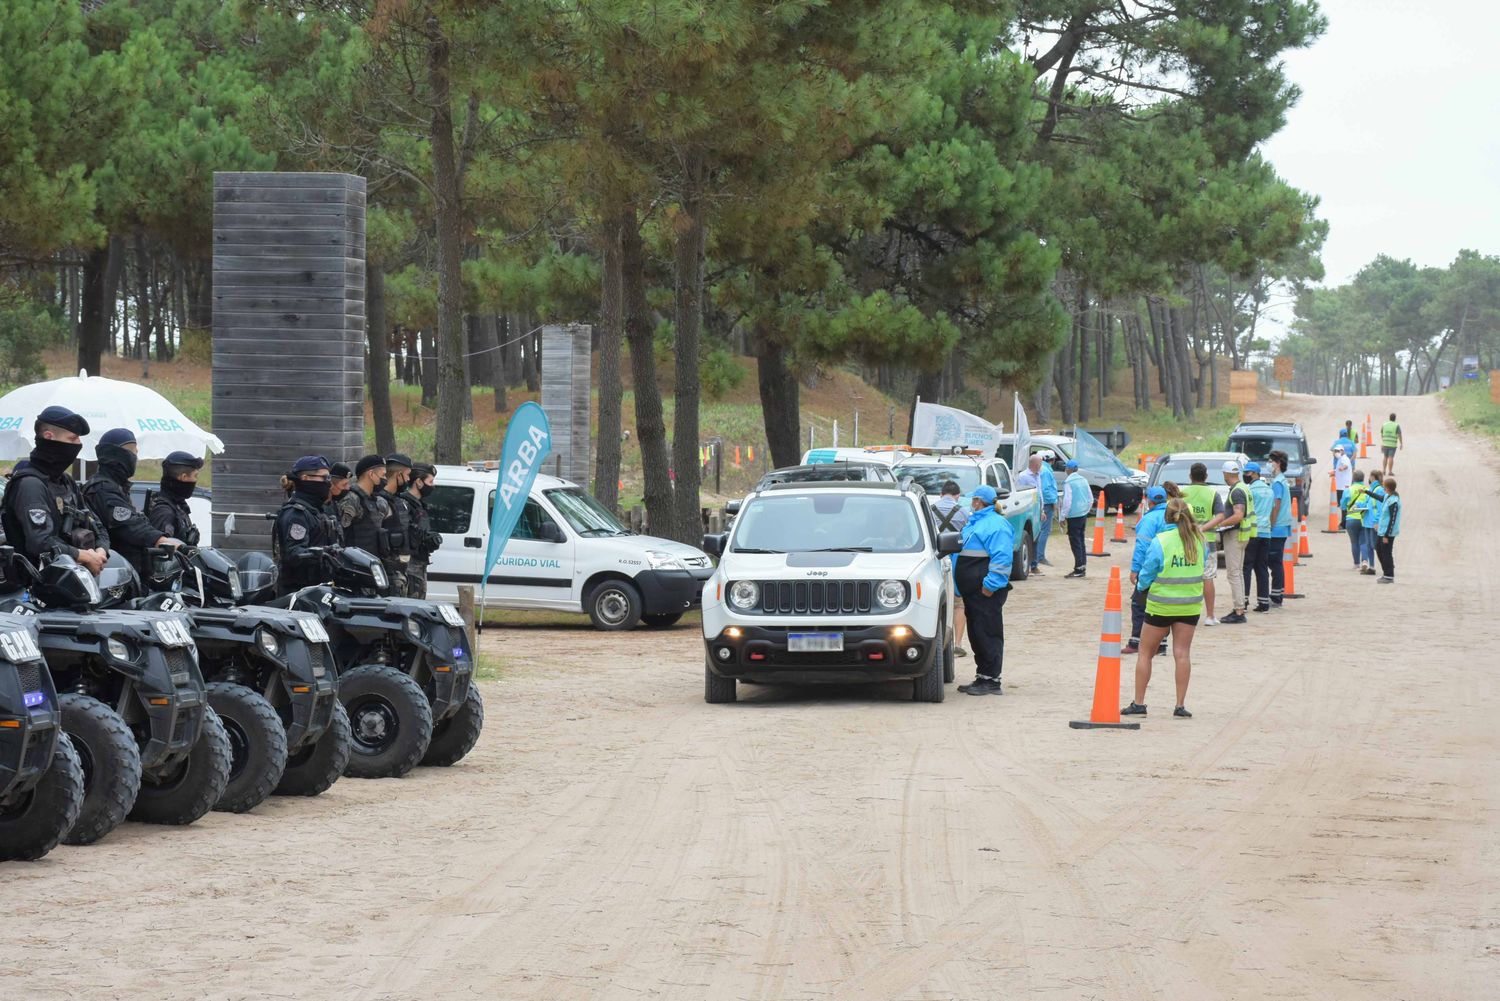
(1022, 508)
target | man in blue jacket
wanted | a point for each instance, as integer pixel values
(1152, 522)
(982, 575)
(1041, 464)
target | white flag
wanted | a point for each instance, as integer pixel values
(1023, 437)
(934, 426)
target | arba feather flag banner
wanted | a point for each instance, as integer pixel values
(528, 439)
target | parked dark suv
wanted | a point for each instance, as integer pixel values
(1258, 439)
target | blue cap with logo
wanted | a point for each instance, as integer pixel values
(1252, 467)
(117, 436)
(309, 464)
(985, 494)
(63, 418)
(1156, 494)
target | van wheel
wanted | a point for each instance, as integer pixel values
(929, 687)
(615, 606)
(1020, 565)
(664, 621)
(715, 688)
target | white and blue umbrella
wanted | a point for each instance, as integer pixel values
(160, 428)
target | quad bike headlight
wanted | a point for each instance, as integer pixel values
(413, 629)
(743, 594)
(378, 572)
(120, 650)
(891, 594)
(268, 641)
(236, 590)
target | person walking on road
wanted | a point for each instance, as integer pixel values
(983, 575)
(1342, 474)
(951, 515)
(1208, 511)
(1152, 522)
(1077, 499)
(1256, 565)
(1353, 436)
(1049, 507)
(1171, 583)
(1390, 440)
(1281, 527)
(1387, 527)
(1353, 507)
(1235, 532)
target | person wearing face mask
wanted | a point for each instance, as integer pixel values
(363, 510)
(982, 575)
(339, 478)
(44, 513)
(398, 520)
(303, 524)
(1257, 567)
(422, 539)
(167, 508)
(107, 493)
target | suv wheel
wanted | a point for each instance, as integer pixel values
(948, 672)
(715, 688)
(615, 606)
(929, 687)
(1020, 567)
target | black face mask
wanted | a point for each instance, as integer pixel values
(314, 490)
(117, 460)
(53, 457)
(177, 489)
(425, 490)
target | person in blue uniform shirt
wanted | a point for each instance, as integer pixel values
(982, 574)
(1387, 527)
(1041, 464)
(1151, 523)
(303, 524)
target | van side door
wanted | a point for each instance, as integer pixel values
(451, 509)
(535, 570)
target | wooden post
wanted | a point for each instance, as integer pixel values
(466, 612)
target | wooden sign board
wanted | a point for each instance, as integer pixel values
(1495, 386)
(1243, 387)
(1284, 368)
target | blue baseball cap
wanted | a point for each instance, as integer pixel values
(984, 493)
(118, 436)
(63, 418)
(1070, 465)
(1252, 467)
(1156, 494)
(309, 463)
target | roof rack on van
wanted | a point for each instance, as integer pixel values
(952, 450)
(483, 465)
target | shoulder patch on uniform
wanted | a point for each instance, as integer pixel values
(297, 532)
(122, 513)
(38, 515)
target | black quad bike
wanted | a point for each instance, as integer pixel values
(405, 667)
(271, 678)
(41, 779)
(133, 700)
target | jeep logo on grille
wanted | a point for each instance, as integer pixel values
(19, 647)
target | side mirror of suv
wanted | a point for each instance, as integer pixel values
(713, 545)
(552, 532)
(950, 543)
(733, 507)
(1311, 460)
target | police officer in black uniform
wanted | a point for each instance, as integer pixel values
(167, 507)
(421, 538)
(108, 495)
(398, 521)
(303, 523)
(44, 514)
(363, 510)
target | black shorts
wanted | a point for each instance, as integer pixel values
(1167, 621)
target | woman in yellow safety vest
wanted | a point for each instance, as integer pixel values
(1172, 579)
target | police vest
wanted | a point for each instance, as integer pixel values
(1246, 526)
(1388, 432)
(1200, 497)
(1178, 588)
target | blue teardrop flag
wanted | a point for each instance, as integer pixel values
(528, 439)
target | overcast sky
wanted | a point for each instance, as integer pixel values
(1398, 130)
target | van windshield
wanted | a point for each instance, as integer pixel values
(588, 517)
(828, 522)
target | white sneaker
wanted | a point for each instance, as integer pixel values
(1210, 621)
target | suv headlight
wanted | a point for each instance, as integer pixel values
(891, 594)
(659, 560)
(268, 642)
(744, 594)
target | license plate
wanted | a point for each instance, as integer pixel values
(815, 642)
(450, 615)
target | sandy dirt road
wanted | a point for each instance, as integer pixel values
(1325, 828)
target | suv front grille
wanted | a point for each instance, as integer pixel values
(816, 597)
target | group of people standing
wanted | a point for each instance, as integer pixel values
(379, 506)
(1369, 504)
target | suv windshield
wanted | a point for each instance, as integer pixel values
(1259, 447)
(1178, 472)
(799, 523)
(587, 516)
(932, 478)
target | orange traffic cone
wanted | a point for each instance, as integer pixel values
(1105, 714)
(1364, 440)
(1098, 549)
(1303, 549)
(1119, 523)
(1333, 510)
(1288, 569)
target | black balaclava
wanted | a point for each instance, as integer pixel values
(425, 490)
(53, 457)
(314, 490)
(118, 461)
(176, 489)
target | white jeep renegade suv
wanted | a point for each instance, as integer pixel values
(830, 582)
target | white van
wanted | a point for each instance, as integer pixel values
(568, 553)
